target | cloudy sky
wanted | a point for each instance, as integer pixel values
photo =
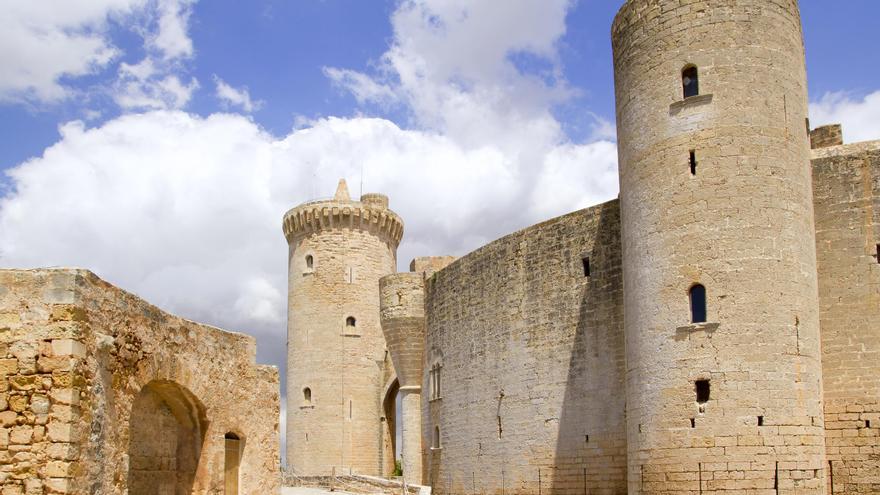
(159, 142)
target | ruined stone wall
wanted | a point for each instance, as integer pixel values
(531, 363)
(715, 189)
(101, 388)
(846, 185)
(351, 245)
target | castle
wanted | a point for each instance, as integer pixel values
(716, 329)
(713, 330)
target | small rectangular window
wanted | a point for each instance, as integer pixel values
(586, 261)
(690, 81)
(760, 420)
(702, 389)
(693, 162)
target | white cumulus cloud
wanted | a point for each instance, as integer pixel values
(45, 46)
(230, 96)
(42, 42)
(186, 211)
(860, 116)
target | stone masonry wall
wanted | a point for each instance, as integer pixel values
(342, 363)
(78, 355)
(846, 185)
(531, 355)
(715, 190)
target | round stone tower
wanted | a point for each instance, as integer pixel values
(339, 249)
(402, 310)
(722, 339)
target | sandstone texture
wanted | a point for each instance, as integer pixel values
(103, 393)
(577, 356)
(846, 190)
(337, 363)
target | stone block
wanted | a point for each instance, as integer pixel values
(8, 418)
(57, 469)
(21, 435)
(8, 366)
(68, 347)
(61, 432)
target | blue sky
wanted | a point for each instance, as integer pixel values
(278, 48)
(159, 142)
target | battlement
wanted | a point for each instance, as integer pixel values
(340, 212)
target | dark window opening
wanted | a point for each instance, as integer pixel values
(436, 444)
(586, 261)
(702, 389)
(698, 304)
(760, 420)
(693, 423)
(586, 438)
(307, 395)
(231, 436)
(693, 162)
(690, 81)
(867, 423)
(350, 321)
(877, 254)
(310, 262)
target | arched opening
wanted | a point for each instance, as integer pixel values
(166, 431)
(698, 304)
(690, 81)
(307, 396)
(350, 321)
(310, 262)
(390, 433)
(232, 463)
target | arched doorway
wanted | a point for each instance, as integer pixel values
(389, 410)
(166, 431)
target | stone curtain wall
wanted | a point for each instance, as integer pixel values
(741, 224)
(846, 185)
(80, 353)
(531, 354)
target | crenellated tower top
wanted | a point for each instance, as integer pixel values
(371, 214)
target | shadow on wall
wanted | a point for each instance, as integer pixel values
(591, 447)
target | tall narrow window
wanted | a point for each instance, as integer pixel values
(350, 321)
(690, 81)
(435, 380)
(586, 261)
(310, 262)
(693, 162)
(307, 396)
(877, 254)
(436, 443)
(232, 463)
(703, 391)
(698, 304)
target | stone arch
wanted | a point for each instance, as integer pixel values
(166, 432)
(389, 411)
